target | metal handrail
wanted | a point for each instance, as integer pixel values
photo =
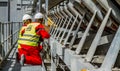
(8, 38)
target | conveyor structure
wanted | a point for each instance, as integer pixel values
(85, 36)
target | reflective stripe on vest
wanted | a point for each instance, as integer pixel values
(30, 37)
(27, 40)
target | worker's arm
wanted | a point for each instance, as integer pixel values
(42, 32)
(47, 28)
(22, 30)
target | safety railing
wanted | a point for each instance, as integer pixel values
(8, 38)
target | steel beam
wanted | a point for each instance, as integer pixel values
(81, 43)
(95, 42)
(112, 53)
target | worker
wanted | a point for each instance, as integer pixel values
(26, 20)
(39, 18)
(30, 41)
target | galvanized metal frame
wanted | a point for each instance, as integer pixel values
(66, 17)
(112, 53)
(65, 30)
(57, 24)
(53, 26)
(76, 31)
(58, 29)
(55, 19)
(80, 45)
(95, 42)
(62, 27)
(70, 30)
(72, 59)
(62, 16)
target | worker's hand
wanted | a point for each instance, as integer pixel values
(47, 28)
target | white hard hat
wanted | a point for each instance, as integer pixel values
(38, 16)
(26, 17)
